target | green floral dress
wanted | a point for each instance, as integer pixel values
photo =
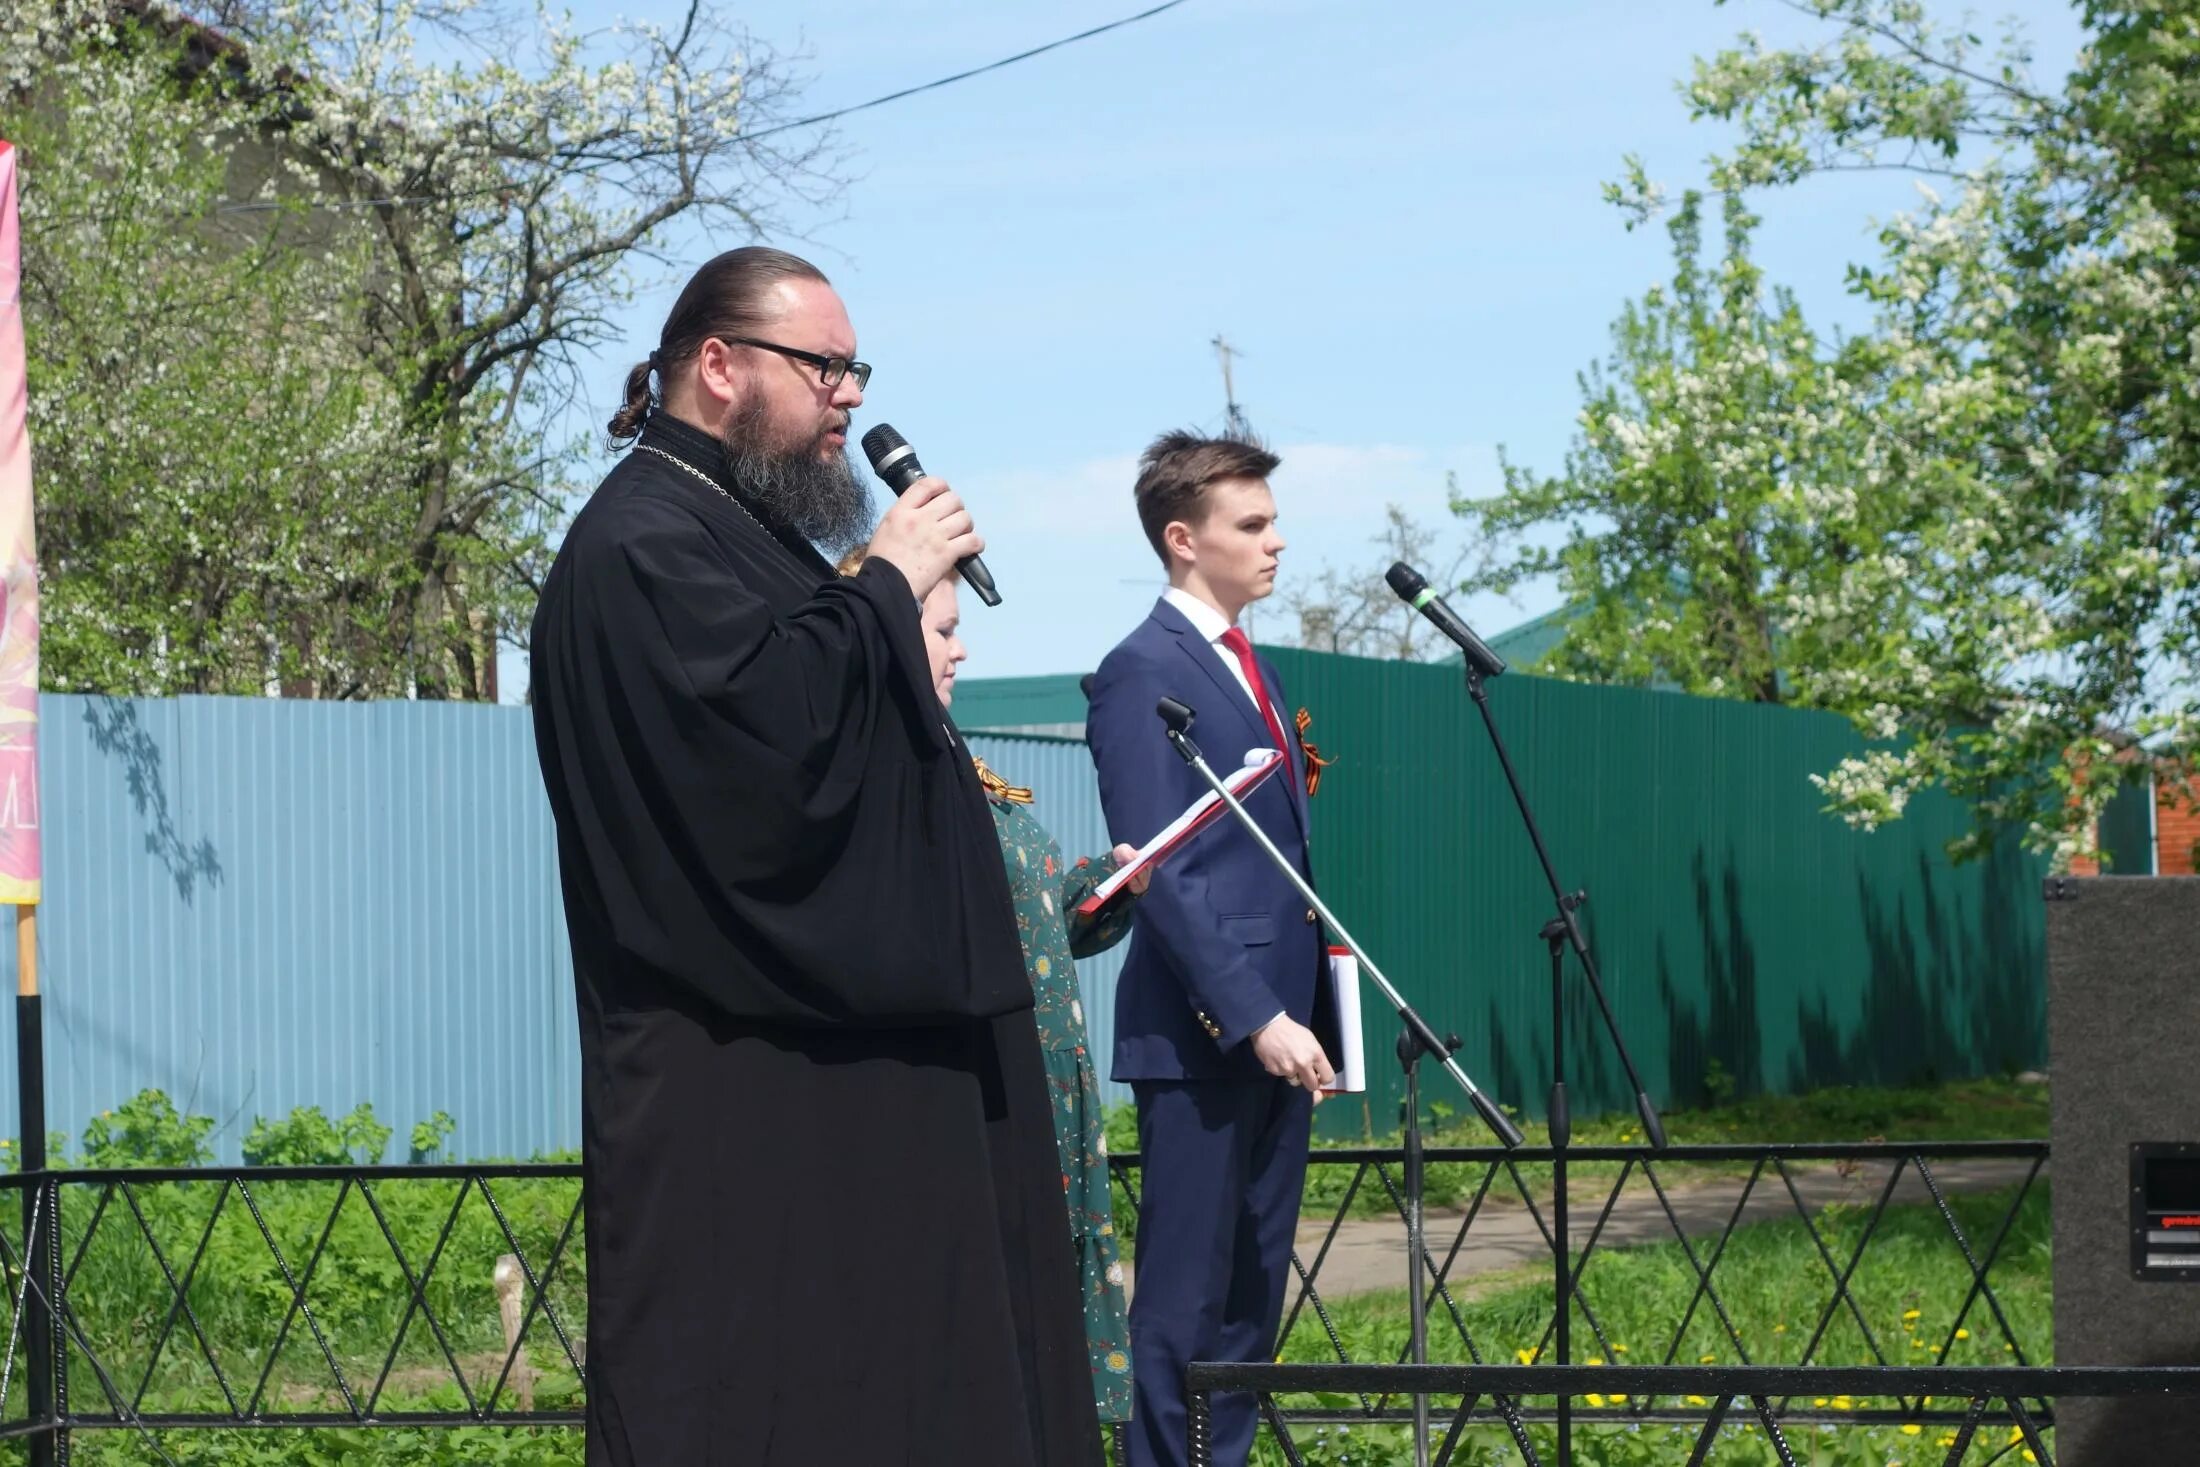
(1047, 890)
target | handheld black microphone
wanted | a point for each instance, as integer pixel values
(1416, 592)
(894, 461)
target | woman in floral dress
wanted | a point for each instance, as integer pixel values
(1047, 889)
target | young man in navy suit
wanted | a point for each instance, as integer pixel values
(1218, 1005)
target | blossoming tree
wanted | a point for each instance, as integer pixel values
(307, 281)
(1975, 528)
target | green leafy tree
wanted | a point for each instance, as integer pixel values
(1988, 543)
(210, 461)
(1694, 498)
(306, 291)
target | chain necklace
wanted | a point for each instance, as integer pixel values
(746, 513)
(676, 460)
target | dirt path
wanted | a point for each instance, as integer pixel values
(1370, 1253)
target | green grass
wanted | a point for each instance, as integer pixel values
(1773, 1283)
(1910, 1286)
(464, 1446)
(358, 1295)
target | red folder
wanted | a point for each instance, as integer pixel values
(1259, 764)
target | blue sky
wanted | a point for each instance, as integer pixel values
(1392, 210)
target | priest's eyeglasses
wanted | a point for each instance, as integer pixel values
(830, 370)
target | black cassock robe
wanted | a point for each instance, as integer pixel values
(824, 1216)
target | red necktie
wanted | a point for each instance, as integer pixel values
(1241, 647)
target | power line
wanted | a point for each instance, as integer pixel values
(930, 86)
(749, 137)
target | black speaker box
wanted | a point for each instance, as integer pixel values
(2123, 1024)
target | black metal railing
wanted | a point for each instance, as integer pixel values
(149, 1300)
(1719, 1398)
(1765, 1182)
(223, 1297)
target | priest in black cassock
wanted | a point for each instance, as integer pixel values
(825, 1221)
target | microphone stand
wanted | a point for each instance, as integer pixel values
(1415, 1040)
(1561, 932)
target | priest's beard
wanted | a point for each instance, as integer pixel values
(820, 498)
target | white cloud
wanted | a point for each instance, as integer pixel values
(1332, 495)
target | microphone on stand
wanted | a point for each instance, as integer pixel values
(1413, 589)
(894, 461)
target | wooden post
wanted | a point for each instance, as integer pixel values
(511, 1284)
(26, 952)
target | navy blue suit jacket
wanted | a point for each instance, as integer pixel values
(1221, 942)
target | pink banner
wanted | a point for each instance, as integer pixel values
(19, 862)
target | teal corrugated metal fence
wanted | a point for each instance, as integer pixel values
(255, 905)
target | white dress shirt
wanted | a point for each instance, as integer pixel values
(1211, 624)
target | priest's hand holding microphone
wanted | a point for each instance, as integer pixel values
(924, 533)
(927, 532)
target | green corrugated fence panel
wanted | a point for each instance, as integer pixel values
(1051, 704)
(1732, 920)
(2127, 830)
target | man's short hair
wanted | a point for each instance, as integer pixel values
(1178, 469)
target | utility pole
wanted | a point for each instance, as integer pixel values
(1233, 418)
(1233, 415)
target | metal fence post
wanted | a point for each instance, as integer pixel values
(1199, 1426)
(38, 1252)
